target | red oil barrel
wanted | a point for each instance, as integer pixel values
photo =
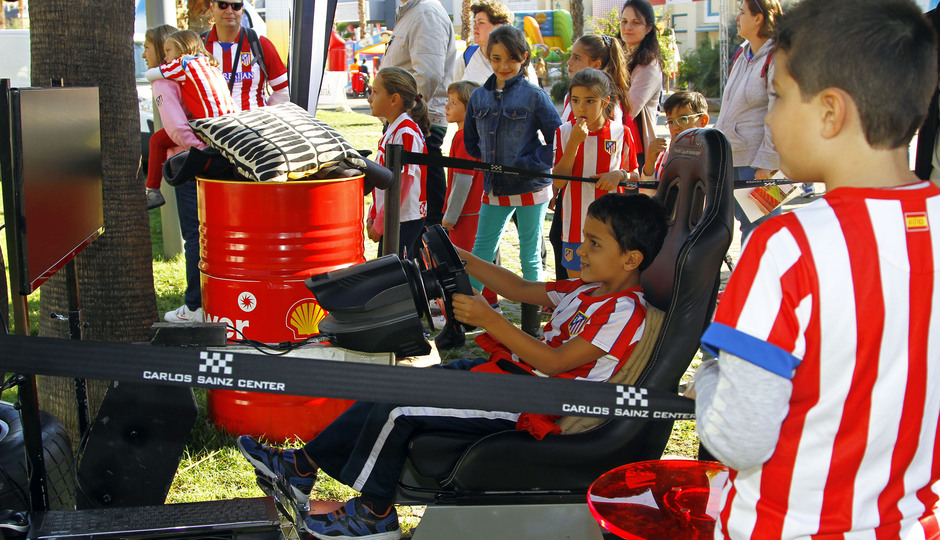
(259, 241)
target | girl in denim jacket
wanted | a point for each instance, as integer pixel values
(504, 119)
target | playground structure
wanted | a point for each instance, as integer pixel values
(357, 60)
(546, 30)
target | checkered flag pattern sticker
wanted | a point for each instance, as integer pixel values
(632, 396)
(215, 363)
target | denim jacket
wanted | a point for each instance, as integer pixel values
(502, 127)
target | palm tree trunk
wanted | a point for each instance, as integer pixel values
(197, 15)
(362, 19)
(465, 27)
(577, 18)
(69, 42)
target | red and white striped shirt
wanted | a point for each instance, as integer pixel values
(414, 205)
(633, 132)
(205, 92)
(523, 199)
(839, 296)
(602, 151)
(614, 323)
(250, 82)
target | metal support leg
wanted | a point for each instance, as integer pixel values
(390, 240)
(75, 332)
(28, 400)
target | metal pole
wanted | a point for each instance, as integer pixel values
(75, 332)
(724, 41)
(390, 241)
(164, 12)
(27, 395)
(28, 403)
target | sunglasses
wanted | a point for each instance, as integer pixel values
(236, 6)
(683, 121)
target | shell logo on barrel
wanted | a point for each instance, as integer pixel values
(304, 317)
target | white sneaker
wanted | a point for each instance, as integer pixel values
(184, 315)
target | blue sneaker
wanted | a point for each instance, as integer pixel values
(353, 520)
(277, 467)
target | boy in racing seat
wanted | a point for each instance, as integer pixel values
(596, 323)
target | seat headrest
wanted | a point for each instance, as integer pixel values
(697, 171)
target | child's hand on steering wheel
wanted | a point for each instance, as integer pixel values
(474, 310)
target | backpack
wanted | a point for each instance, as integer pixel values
(467, 54)
(763, 71)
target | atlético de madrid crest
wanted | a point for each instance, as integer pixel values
(610, 146)
(577, 324)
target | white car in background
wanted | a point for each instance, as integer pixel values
(14, 62)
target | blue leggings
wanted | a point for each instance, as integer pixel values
(493, 221)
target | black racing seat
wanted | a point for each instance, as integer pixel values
(512, 467)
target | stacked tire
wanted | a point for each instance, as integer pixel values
(57, 452)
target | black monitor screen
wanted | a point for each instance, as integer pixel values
(54, 208)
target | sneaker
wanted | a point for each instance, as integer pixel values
(184, 315)
(497, 308)
(353, 520)
(154, 199)
(277, 466)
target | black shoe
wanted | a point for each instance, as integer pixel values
(154, 199)
(450, 338)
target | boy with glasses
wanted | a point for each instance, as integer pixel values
(684, 110)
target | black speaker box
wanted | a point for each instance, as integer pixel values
(134, 446)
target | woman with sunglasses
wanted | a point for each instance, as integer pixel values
(748, 96)
(248, 73)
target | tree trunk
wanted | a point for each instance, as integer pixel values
(577, 18)
(465, 23)
(197, 15)
(116, 271)
(362, 19)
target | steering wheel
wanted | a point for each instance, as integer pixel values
(443, 272)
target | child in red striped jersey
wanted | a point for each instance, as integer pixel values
(590, 145)
(606, 54)
(823, 399)
(396, 101)
(594, 329)
(204, 90)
